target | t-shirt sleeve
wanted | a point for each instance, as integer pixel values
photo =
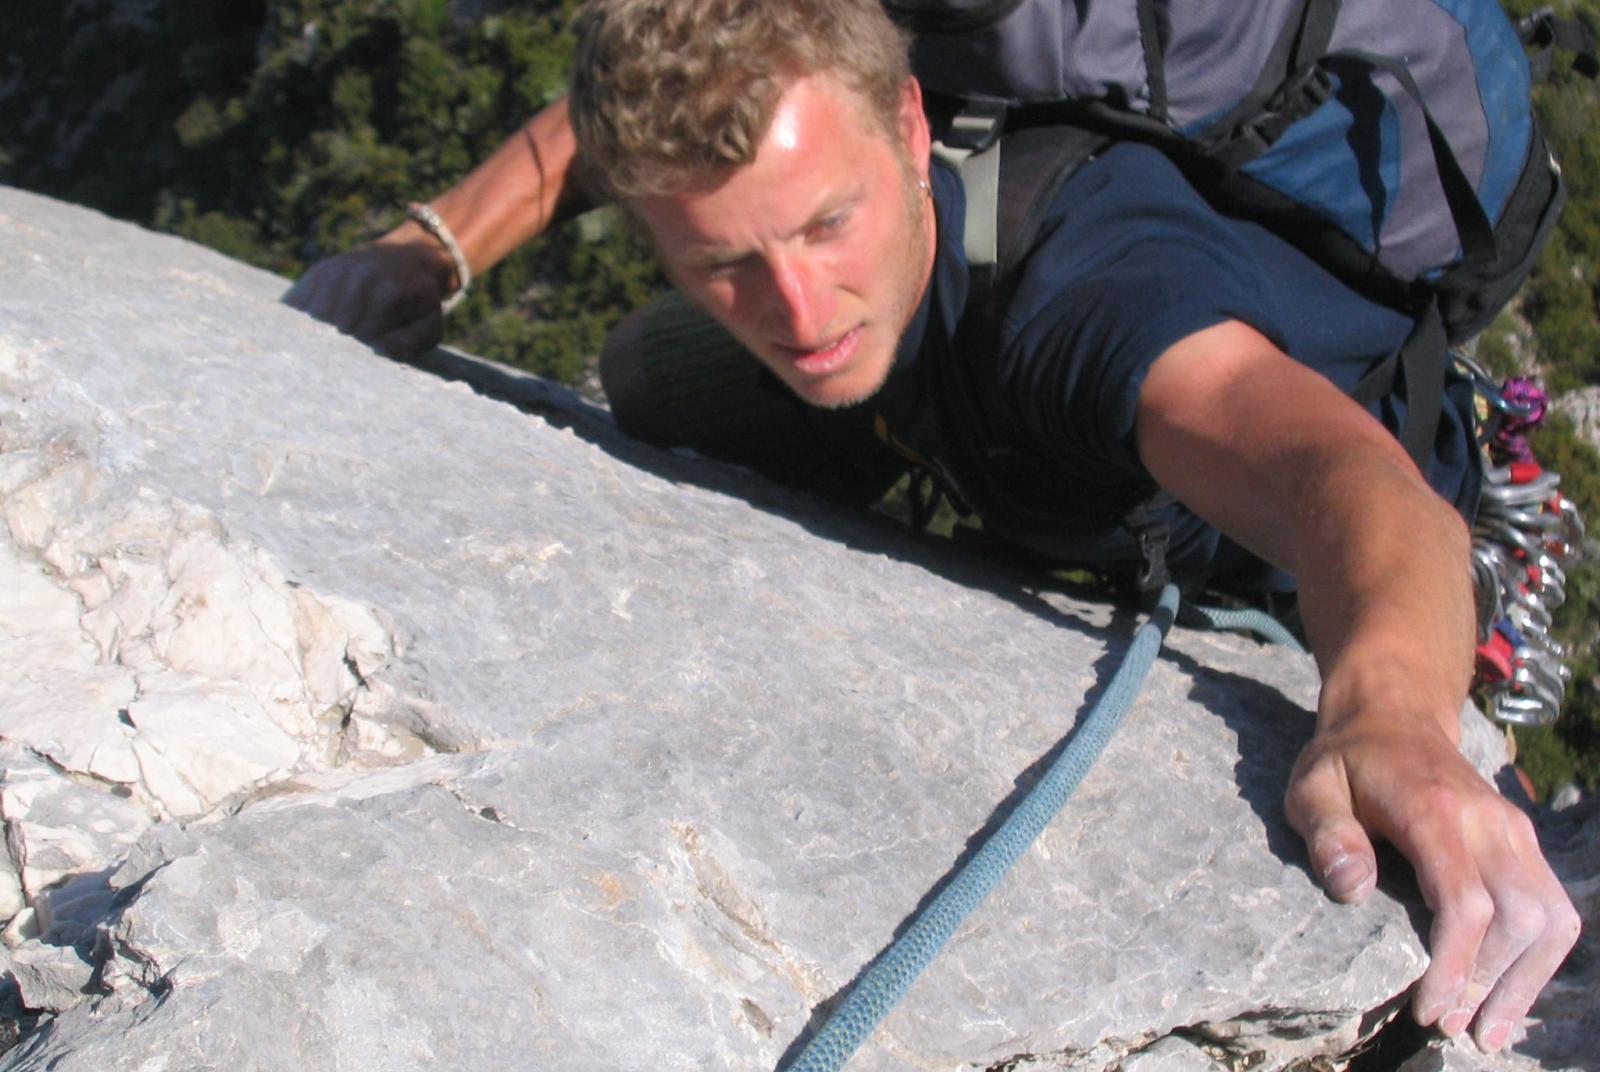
(1133, 262)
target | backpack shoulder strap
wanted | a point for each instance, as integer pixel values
(1420, 364)
(970, 142)
(1544, 31)
(1011, 160)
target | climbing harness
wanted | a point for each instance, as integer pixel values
(891, 974)
(1526, 532)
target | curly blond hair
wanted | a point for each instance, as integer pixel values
(668, 93)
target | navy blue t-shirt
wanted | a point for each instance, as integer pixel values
(1039, 436)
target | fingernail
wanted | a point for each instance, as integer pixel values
(1431, 1014)
(1345, 873)
(1494, 1035)
(1455, 1021)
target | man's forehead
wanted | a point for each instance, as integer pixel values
(784, 132)
(816, 106)
(812, 99)
(798, 159)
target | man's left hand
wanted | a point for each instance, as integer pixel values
(1502, 924)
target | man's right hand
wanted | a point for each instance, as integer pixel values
(386, 293)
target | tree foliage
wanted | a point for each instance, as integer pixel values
(1563, 294)
(281, 131)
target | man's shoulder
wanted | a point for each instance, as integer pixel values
(1120, 158)
(1124, 222)
(1129, 186)
(1128, 173)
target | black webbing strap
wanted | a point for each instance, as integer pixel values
(1544, 31)
(1422, 360)
(1289, 87)
(925, 17)
(1154, 38)
(1151, 532)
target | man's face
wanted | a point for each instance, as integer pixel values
(816, 254)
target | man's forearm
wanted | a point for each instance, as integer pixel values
(1385, 596)
(1276, 457)
(529, 183)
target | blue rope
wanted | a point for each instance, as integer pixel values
(888, 977)
(1246, 620)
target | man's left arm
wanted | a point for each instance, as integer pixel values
(1280, 460)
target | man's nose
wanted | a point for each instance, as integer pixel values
(800, 304)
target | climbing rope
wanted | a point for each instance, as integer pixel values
(1244, 620)
(887, 978)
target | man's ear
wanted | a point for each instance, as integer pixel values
(913, 124)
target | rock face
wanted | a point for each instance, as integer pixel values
(358, 715)
(1583, 408)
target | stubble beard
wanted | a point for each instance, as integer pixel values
(920, 236)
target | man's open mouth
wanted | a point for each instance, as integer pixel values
(827, 359)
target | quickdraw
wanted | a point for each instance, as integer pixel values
(1525, 533)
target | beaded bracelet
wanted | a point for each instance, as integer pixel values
(434, 225)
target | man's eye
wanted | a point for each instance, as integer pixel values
(720, 269)
(829, 225)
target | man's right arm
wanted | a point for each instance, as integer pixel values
(388, 292)
(1283, 462)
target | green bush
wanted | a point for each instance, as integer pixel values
(282, 131)
(1563, 293)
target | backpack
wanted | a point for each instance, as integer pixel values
(1392, 140)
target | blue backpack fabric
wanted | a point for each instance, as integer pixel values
(1394, 140)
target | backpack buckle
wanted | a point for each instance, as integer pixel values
(976, 127)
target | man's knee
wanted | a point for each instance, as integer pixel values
(625, 381)
(676, 378)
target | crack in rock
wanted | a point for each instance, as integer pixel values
(162, 589)
(719, 891)
(166, 670)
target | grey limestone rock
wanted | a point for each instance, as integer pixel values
(1583, 407)
(359, 715)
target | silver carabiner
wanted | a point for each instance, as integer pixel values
(1571, 521)
(1498, 477)
(1491, 391)
(1519, 710)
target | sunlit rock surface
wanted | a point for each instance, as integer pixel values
(357, 715)
(1582, 407)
